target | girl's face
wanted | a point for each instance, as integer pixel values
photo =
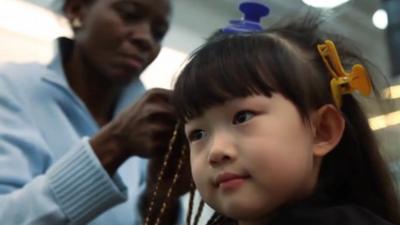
(252, 155)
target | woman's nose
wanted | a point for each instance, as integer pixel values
(141, 35)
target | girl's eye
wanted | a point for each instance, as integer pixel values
(196, 135)
(242, 117)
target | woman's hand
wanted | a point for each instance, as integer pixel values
(143, 129)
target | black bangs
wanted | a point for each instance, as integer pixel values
(239, 65)
(225, 68)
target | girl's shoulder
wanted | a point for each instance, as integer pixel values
(331, 215)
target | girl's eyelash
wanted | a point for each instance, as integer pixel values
(238, 117)
(194, 135)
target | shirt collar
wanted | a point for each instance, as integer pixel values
(62, 49)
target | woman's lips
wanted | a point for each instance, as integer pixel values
(133, 61)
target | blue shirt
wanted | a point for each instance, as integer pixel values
(48, 172)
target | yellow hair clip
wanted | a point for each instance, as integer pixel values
(343, 82)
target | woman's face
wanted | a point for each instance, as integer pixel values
(120, 38)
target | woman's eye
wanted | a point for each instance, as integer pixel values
(127, 11)
(129, 16)
(196, 135)
(242, 117)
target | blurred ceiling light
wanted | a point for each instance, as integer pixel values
(383, 121)
(392, 92)
(31, 20)
(380, 19)
(325, 3)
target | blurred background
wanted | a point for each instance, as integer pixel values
(27, 28)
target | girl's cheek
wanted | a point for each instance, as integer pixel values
(198, 167)
(193, 165)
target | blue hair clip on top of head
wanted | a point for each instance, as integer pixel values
(251, 22)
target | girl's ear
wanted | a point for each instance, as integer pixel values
(328, 125)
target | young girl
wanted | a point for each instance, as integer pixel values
(275, 133)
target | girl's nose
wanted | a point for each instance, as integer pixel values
(222, 150)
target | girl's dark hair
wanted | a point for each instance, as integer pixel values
(285, 60)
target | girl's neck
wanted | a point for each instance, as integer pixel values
(98, 94)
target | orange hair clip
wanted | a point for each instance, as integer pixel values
(343, 82)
